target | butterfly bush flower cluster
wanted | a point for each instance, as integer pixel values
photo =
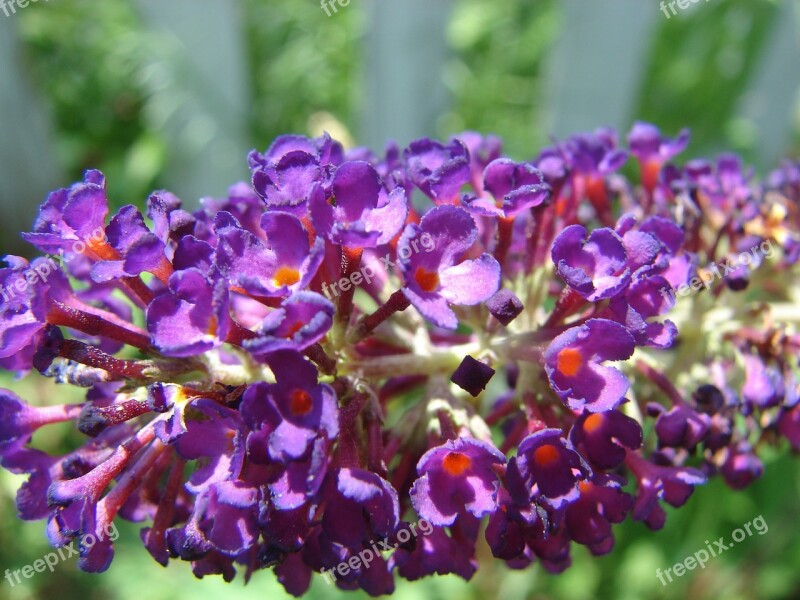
(493, 375)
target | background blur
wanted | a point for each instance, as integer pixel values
(174, 93)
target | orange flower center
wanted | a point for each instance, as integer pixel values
(286, 276)
(455, 463)
(593, 422)
(546, 455)
(650, 172)
(300, 402)
(212, 326)
(427, 280)
(569, 361)
(293, 329)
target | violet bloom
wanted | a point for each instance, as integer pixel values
(572, 363)
(286, 174)
(763, 386)
(681, 426)
(138, 249)
(652, 149)
(302, 320)
(741, 466)
(441, 554)
(297, 482)
(482, 150)
(605, 437)
(514, 187)
(18, 420)
(358, 212)
(227, 516)
(601, 503)
(360, 507)
(671, 484)
(595, 154)
(434, 280)
(73, 219)
(789, 426)
(439, 170)
(642, 301)
(191, 316)
(594, 266)
(27, 289)
(305, 409)
(726, 184)
(551, 468)
(457, 477)
(281, 265)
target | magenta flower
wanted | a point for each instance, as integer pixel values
(573, 365)
(435, 279)
(455, 478)
(594, 266)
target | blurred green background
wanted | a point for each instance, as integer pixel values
(173, 93)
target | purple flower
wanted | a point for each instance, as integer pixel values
(514, 187)
(652, 150)
(18, 420)
(227, 516)
(302, 320)
(595, 154)
(572, 363)
(594, 266)
(671, 484)
(763, 386)
(281, 265)
(482, 150)
(441, 554)
(551, 468)
(789, 426)
(601, 503)
(360, 507)
(138, 250)
(298, 409)
(27, 289)
(73, 215)
(434, 280)
(605, 437)
(643, 300)
(741, 466)
(358, 212)
(437, 169)
(680, 426)
(191, 316)
(286, 174)
(455, 478)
